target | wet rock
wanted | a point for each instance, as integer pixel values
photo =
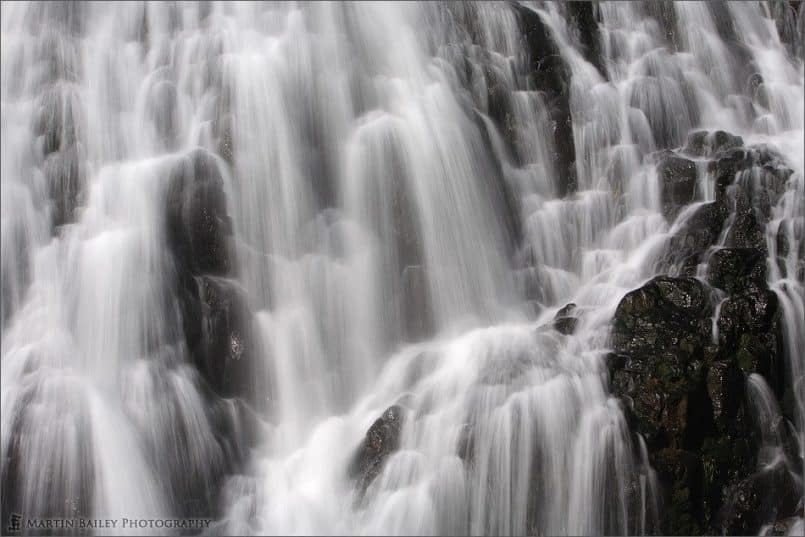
(56, 119)
(382, 439)
(466, 444)
(677, 180)
(65, 176)
(738, 269)
(680, 473)
(664, 13)
(785, 19)
(584, 17)
(726, 166)
(222, 352)
(763, 175)
(198, 226)
(708, 144)
(752, 501)
(725, 387)
(662, 329)
(550, 74)
(746, 232)
(686, 395)
(664, 312)
(689, 245)
(749, 330)
(565, 321)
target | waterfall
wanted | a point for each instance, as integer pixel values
(357, 268)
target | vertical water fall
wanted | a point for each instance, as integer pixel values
(404, 268)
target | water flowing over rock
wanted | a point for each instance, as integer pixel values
(409, 268)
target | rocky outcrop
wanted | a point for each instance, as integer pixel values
(686, 393)
(677, 181)
(198, 226)
(382, 439)
(216, 319)
(565, 320)
(736, 269)
(683, 391)
(550, 74)
(707, 144)
(584, 18)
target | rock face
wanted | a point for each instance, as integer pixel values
(550, 74)
(382, 439)
(686, 395)
(677, 180)
(707, 144)
(565, 321)
(215, 314)
(735, 269)
(198, 226)
(708, 465)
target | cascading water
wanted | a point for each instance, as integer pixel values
(237, 236)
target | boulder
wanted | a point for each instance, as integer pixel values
(565, 321)
(198, 226)
(677, 181)
(709, 144)
(65, 176)
(699, 232)
(750, 330)
(225, 343)
(662, 329)
(747, 232)
(686, 395)
(769, 493)
(583, 16)
(737, 269)
(382, 439)
(550, 74)
(56, 116)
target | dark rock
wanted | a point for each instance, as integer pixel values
(785, 18)
(663, 330)
(725, 387)
(738, 269)
(680, 473)
(677, 180)
(584, 17)
(686, 395)
(550, 74)
(768, 494)
(664, 13)
(56, 119)
(565, 321)
(708, 144)
(382, 439)
(724, 169)
(759, 189)
(749, 330)
(65, 176)
(223, 352)
(696, 235)
(666, 312)
(466, 444)
(746, 232)
(198, 226)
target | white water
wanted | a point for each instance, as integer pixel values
(372, 242)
